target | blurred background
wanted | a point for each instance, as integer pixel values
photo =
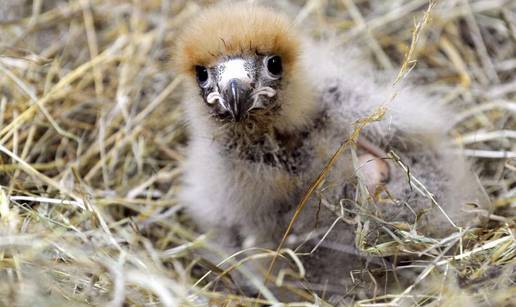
(92, 138)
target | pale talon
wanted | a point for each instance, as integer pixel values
(373, 170)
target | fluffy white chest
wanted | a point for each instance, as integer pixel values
(250, 196)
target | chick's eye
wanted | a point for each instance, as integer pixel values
(274, 65)
(202, 74)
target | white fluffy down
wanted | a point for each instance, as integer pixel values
(241, 201)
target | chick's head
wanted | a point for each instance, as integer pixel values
(243, 60)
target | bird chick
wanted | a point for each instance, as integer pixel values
(266, 110)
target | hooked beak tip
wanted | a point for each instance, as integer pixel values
(237, 96)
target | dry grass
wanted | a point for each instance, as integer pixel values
(91, 141)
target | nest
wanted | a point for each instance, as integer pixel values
(92, 138)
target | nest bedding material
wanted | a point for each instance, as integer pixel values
(92, 138)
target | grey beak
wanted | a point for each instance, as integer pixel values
(237, 96)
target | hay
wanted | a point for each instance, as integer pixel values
(92, 138)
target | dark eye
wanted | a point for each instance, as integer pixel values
(202, 74)
(274, 65)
